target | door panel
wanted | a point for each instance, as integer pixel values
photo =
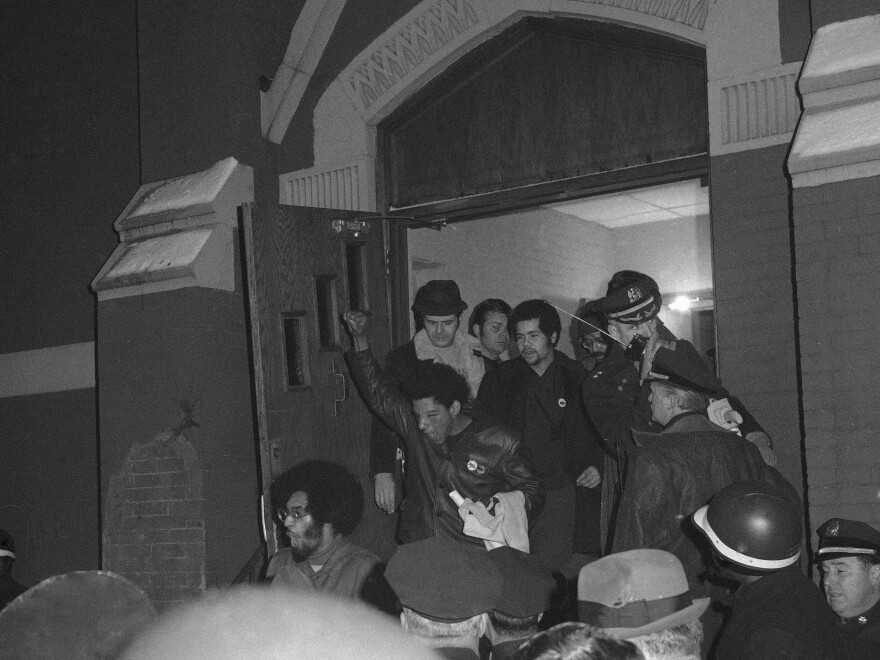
(302, 275)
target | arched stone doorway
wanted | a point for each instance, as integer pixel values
(752, 101)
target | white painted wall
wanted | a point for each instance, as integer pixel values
(676, 253)
(545, 254)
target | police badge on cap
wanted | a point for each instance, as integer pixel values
(632, 303)
(839, 537)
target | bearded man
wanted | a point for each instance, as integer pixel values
(320, 503)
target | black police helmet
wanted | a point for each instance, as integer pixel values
(752, 524)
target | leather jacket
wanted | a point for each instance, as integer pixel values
(478, 462)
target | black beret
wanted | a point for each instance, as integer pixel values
(528, 585)
(444, 579)
(840, 537)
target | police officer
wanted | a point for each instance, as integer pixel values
(849, 556)
(754, 531)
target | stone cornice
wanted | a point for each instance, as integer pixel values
(838, 137)
(754, 110)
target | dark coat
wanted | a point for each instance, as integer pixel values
(673, 474)
(400, 364)
(861, 635)
(505, 394)
(780, 616)
(616, 404)
(482, 460)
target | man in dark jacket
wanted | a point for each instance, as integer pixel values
(437, 308)
(674, 472)
(849, 554)
(488, 323)
(449, 449)
(754, 532)
(615, 398)
(616, 392)
(538, 394)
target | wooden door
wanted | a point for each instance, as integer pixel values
(305, 267)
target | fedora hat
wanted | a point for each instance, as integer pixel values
(439, 298)
(637, 592)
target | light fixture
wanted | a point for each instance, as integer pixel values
(682, 303)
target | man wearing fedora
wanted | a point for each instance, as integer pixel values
(643, 596)
(849, 556)
(437, 308)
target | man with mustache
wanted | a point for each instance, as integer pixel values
(538, 394)
(319, 503)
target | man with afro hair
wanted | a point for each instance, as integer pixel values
(319, 503)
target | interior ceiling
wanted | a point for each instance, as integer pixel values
(684, 199)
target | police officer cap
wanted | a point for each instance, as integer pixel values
(840, 537)
(444, 579)
(631, 300)
(7, 544)
(683, 367)
(527, 584)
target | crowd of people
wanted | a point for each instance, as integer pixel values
(622, 504)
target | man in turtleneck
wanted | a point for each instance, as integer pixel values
(320, 503)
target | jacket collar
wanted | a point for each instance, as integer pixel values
(868, 618)
(688, 422)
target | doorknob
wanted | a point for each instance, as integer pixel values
(341, 385)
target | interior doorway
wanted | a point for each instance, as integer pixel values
(566, 252)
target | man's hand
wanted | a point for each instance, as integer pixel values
(384, 489)
(357, 328)
(590, 478)
(653, 345)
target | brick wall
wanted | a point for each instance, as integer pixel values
(837, 238)
(157, 355)
(754, 311)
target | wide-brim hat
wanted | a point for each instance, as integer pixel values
(439, 298)
(631, 301)
(637, 592)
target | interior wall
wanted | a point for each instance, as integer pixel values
(676, 253)
(541, 253)
(532, 254)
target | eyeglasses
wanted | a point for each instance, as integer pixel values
(296, 514)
